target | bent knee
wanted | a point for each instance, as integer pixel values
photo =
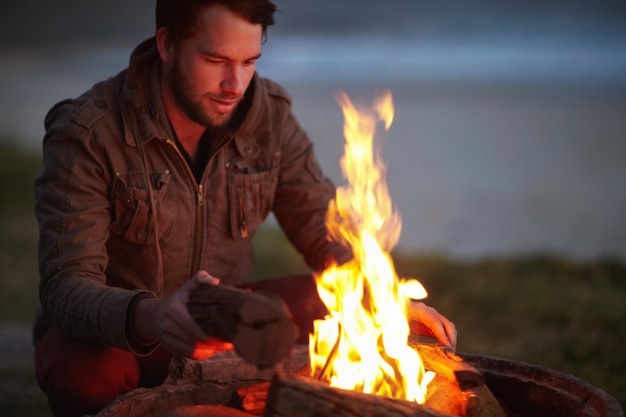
(79, 378)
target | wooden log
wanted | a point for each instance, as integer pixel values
(458, 388)
(151, 402)
(204, 411)
(446, 364)
(258, 324)
(294, 396)
(446, 396)
(300, 294)
(229, 369)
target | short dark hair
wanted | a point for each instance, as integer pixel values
(179, 17)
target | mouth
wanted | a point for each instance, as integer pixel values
(224, 105)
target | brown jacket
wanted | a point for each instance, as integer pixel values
(120, 213)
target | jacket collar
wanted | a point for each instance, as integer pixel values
(137, 84)
(138, 111)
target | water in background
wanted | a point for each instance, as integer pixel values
(505, 141)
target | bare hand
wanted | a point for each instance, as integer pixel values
(431, 323)
(168, 320)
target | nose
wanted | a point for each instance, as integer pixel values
(233, 81)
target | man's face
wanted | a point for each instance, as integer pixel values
(211, 71)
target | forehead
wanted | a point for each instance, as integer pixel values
(222, 31)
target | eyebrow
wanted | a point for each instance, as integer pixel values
(227, 58)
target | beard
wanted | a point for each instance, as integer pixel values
(193, 105)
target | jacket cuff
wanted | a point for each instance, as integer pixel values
(135, 345)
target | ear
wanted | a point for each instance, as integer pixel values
(164, 44)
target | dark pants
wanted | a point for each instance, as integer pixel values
(81, 378)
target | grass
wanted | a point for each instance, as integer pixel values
(19, 393)
(565, 314)
(18, 235)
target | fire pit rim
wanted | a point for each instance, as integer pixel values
(594, 401)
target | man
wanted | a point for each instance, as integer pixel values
(154, 181)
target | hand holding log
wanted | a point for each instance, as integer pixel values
(258, 324)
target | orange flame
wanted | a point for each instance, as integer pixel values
(362, 345)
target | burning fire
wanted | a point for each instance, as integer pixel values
(362, 345)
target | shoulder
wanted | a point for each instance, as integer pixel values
(274, 90)
(80, 115)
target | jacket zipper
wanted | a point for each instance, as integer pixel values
(197, 249)
(243, 217)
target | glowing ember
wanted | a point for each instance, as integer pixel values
(362, 344)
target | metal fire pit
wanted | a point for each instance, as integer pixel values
(524, 390)
(530, 390)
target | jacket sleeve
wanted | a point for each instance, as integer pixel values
(72, 207)
(302, 197)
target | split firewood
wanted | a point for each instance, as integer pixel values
(258, 324)
(295, 396)
(458, 388)
(445, 363)
(446, 396)
(204, 411)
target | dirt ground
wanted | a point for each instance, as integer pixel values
(19, 393)
(16, 347)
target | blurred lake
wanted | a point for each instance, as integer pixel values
(510, 128)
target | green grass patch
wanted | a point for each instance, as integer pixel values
(18, 235)
(274, 256)
(18, 170)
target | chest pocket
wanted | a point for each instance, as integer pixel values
(251, 196)
(132, 218)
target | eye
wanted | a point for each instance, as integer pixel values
(212, 60)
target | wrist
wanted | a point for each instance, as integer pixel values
(141, 319)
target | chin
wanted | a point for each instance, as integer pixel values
(221, 120)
